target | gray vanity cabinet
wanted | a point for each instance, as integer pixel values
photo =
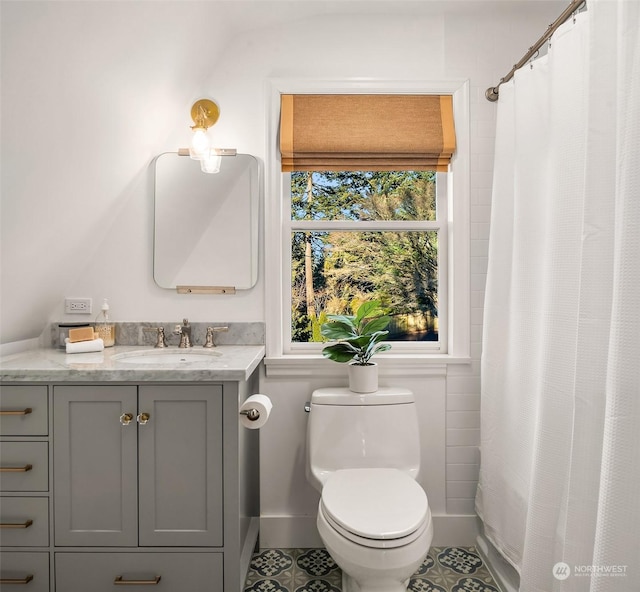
(121, 482)
(138, 465)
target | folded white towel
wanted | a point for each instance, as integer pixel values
(95, 345)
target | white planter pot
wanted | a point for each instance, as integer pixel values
(363, 379)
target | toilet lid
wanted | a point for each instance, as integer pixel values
(375, 503)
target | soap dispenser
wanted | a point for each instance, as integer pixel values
(105, 327)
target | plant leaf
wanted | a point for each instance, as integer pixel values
(366, 309)
(337, 330)
(347, 319)
(374, 337)
(377, 324)
(339, 352)
(382, 347)
(359, 341)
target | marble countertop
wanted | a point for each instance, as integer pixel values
(234, 362)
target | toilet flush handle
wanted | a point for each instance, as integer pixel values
(307, 407)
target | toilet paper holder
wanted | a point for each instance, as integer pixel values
(252, 414)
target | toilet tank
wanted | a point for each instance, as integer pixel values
(348, 430)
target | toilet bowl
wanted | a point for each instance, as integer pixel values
(364, 457)
(376, 524)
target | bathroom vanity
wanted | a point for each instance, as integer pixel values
(117, 471)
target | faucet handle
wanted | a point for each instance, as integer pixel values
(161, 341)
(209, 342)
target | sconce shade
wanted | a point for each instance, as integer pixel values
(210, 162)
(200, 144)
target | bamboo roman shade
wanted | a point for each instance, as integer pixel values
(366, 132)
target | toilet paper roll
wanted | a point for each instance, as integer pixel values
(262, 404)
(95, 345)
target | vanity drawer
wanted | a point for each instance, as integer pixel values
(98, 572)
(24, 411)
(24, 466)
(24, 521)
(25, 568)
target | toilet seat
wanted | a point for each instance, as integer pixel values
(378, 508)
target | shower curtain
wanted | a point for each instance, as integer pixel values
(559, 488)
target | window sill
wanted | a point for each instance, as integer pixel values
(309, 365)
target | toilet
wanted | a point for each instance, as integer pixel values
(363, 456)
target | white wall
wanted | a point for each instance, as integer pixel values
(91, 91)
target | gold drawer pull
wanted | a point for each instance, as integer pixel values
(25, 524)
(16, 469)
(24, 580)
(16, 411)
(120, 582)
(143, 418)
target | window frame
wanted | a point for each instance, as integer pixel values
(453, 262)
(439, 225)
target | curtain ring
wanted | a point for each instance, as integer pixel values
(533, 58)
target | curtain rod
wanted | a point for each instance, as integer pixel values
(492, 92)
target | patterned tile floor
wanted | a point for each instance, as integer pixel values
(446, 569)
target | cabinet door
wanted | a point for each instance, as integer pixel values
(95, 465)
(180, 465)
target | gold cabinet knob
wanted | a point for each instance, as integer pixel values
(126, 419)
(143, 418)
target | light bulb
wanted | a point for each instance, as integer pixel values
(210, 162)
(200, 144)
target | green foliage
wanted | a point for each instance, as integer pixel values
(358, 335)
(316, 326)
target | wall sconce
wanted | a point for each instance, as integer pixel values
(204, 114)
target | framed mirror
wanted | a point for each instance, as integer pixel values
(206, 225)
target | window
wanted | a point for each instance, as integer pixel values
(345, 233)
(367, 235)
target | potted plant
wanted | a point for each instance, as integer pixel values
(358, 339)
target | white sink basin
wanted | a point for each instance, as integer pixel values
(167, 356)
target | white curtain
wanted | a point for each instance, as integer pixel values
(560, 445)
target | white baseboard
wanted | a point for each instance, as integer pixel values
(287, 532)
(455, 530)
